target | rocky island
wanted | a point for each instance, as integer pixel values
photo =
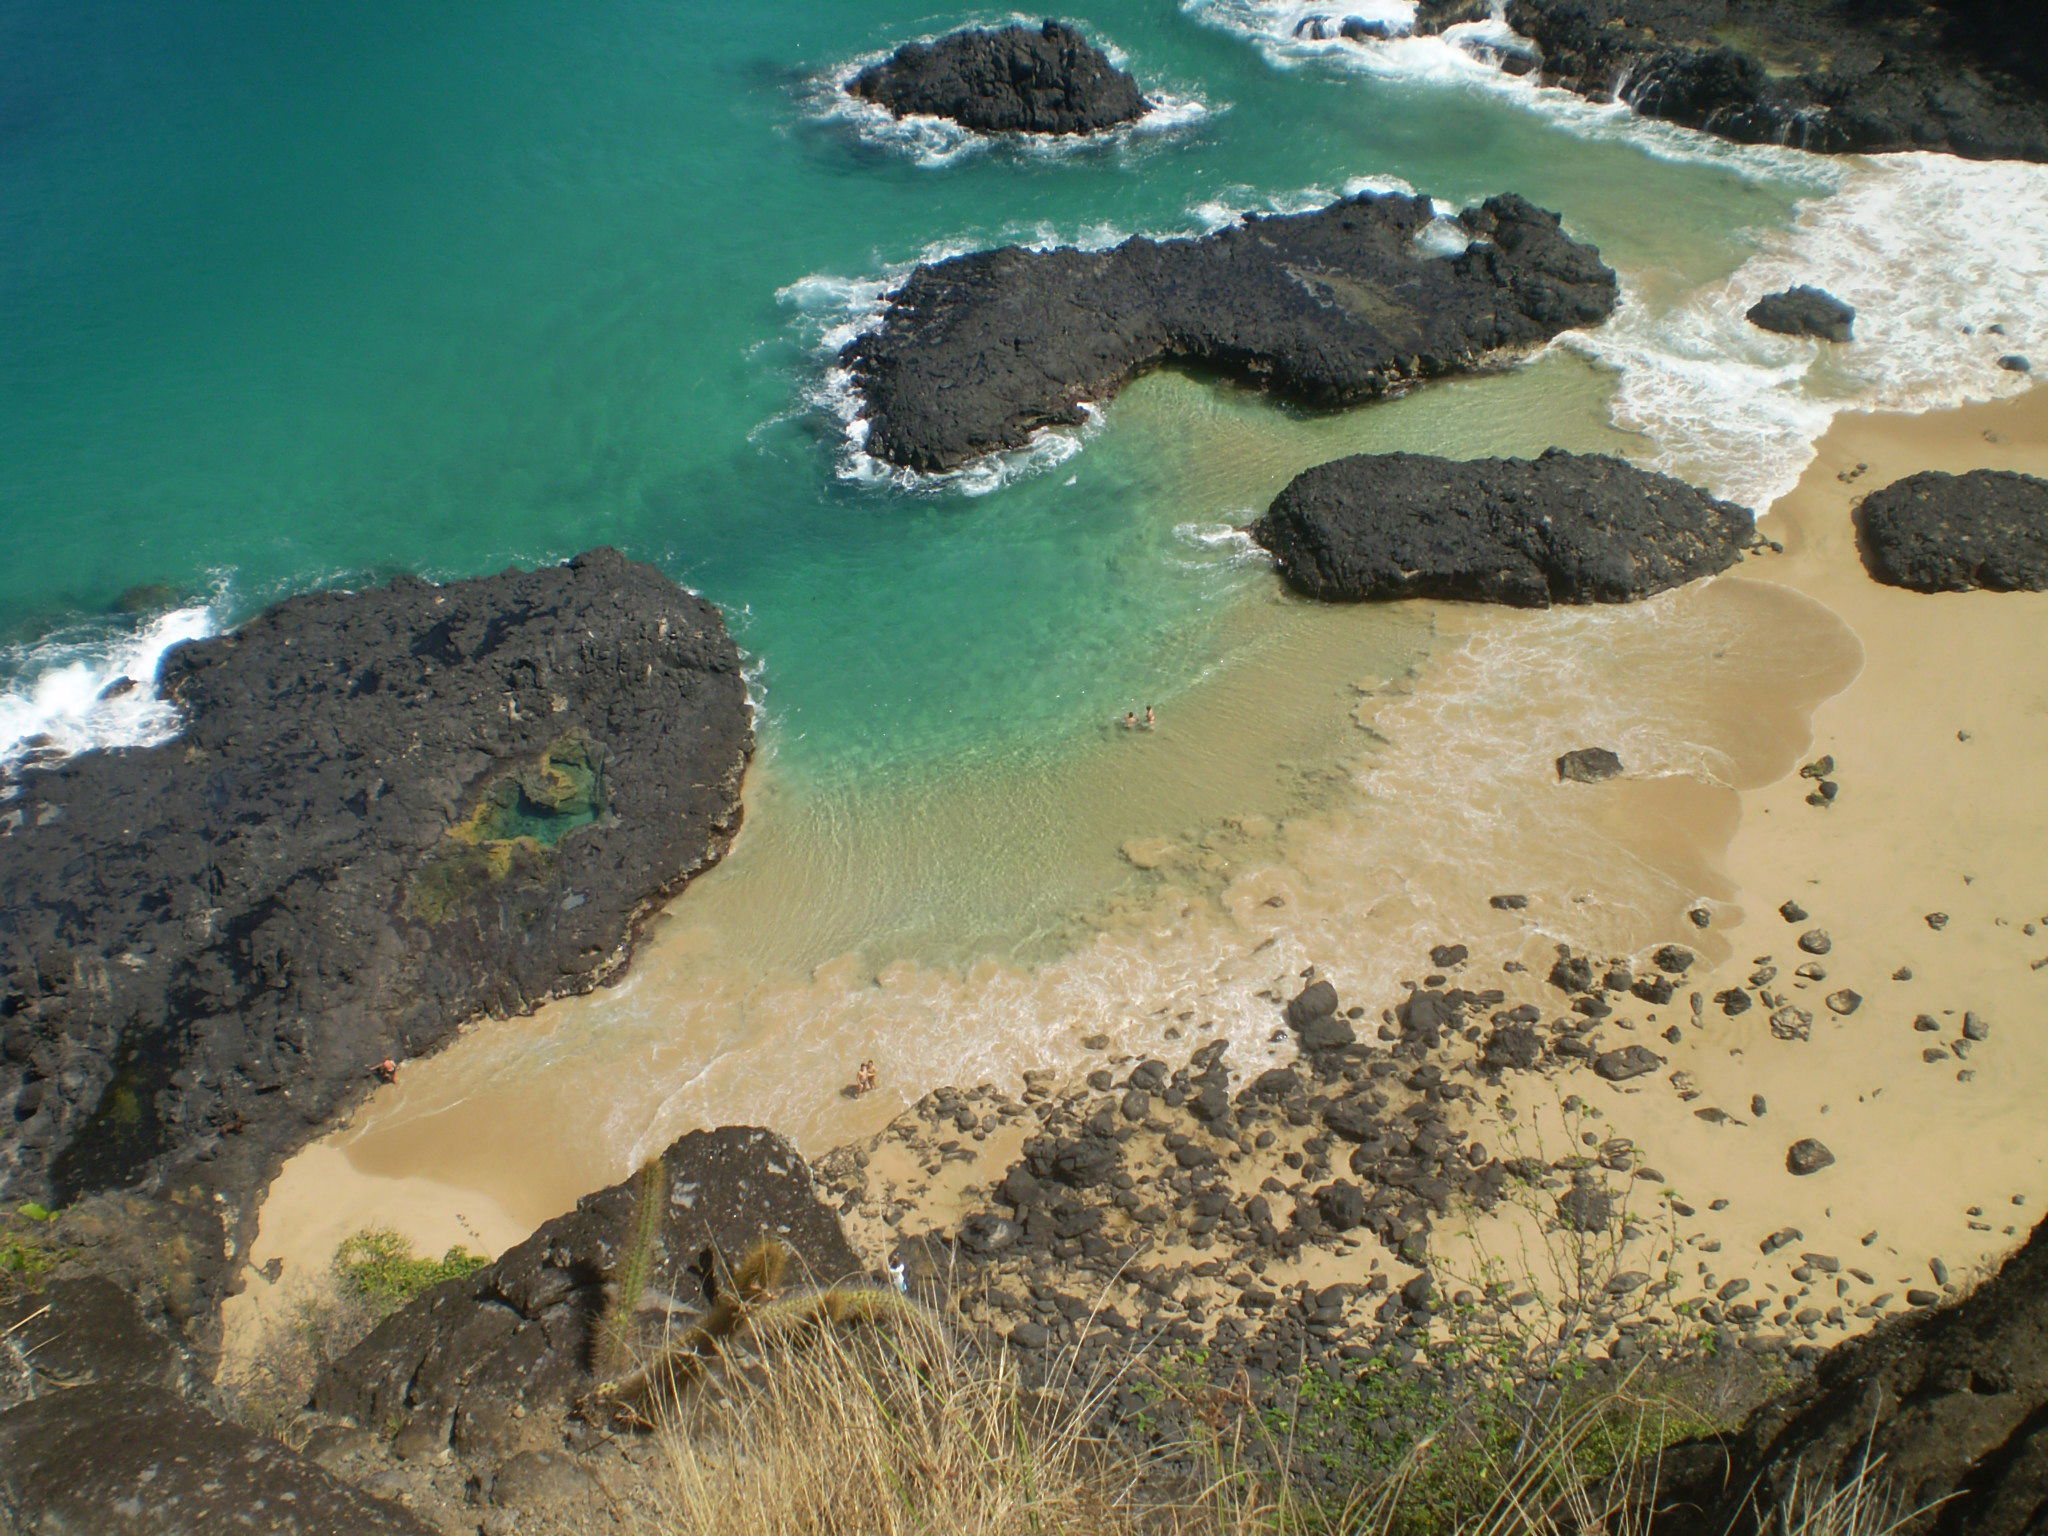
(389, 812)
(1564, 528)
(1046, 79)
(1960, 76)
(1331, 308)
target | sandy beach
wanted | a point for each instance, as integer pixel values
(1932, 707)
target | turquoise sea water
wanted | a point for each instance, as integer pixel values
(296, 295)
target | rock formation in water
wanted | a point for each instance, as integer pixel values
(1018, 79)
(1934, 532)
(1565, 528)
(1805, 311)
(1323, 309)
(1838, 76)
(389, 812)
(1948, 1406)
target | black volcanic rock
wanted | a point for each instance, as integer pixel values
(390, 811)
(1325, 309)
(1590, 765)
(1805, 311)
(488, 1364)
(1043, 79)
(1565, 528)
(1933, 532)
(1837, 76)
(1947, 1406)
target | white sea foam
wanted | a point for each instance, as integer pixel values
(936, 142)
(1225, 544)
(1932, 252)
(1467, 56)
(60, 695)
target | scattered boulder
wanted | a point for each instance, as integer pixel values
(1628, 1062)
(1589, 765)
(1933, 532)
(1563, 528)
(974, 354)
(1804, 312)
(1046, 79)
(1808, 1156)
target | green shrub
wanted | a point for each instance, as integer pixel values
(378, 1266)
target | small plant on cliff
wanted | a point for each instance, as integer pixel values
(636, 1267)
(378, 1267)
(26, 1254)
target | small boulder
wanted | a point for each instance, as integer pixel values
(1630, 1061)
(1589, 765)
(1805, 311)
(1808, 1156)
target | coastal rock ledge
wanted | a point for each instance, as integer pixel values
(391, 811)
(1325, 309)
(1565, 528)
(1043, 79)
(1931, 532)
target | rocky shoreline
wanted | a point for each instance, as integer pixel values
(389, 812)
(1958, 76)
(975, 354)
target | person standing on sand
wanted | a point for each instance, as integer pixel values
(864, 1080)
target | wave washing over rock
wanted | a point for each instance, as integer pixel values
(389, 812)
(93, 687)
(975, 354)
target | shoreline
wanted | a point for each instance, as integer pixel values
(1361, 888)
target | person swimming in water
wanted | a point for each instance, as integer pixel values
(1150, 718)
(1130, 719)
(864, 1080)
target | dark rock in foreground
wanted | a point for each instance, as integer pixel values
(101, 1433)
(1933, 532)
(1589, 765)
(1044, 79)
(1805, 312)
(1565, 528)
(489, 1363)
(1947, 1406)
(1324, 309)
(1837, 76)
(390, 812)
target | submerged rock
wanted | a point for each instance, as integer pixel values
(390, 811)
(1964, 76)
(1019, 79)
(1329, 308)
(1565, 528)
(1589, 765)
(1805, 312)
(1934, 532)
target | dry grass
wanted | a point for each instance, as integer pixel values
(903, 1430)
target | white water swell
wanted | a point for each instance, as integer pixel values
(63, 694)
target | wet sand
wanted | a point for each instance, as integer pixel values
(1362, 849)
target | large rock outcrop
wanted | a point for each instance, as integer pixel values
(488, 1365)
(390, 811)
(1837, 76)
(1328, 308)
(102, 1432)
(1949, 1407)
(1043, 79)
(1933, 532)
(1565, 528)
